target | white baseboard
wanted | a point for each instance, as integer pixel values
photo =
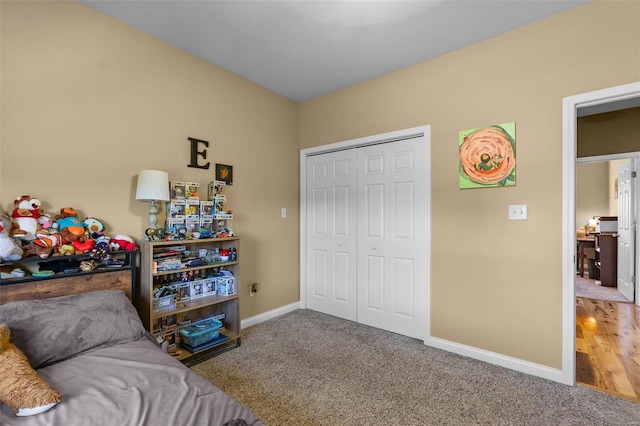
(248, 322)
(498, 359)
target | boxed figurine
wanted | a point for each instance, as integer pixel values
(192, 190)
(177, 190)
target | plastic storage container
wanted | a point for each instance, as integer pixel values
(201, 332)
(164, 303)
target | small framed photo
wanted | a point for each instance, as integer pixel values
(224, 173)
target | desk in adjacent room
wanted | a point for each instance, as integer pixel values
(583, 242)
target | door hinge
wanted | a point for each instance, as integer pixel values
(633, 174)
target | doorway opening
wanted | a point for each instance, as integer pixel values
(606, 100)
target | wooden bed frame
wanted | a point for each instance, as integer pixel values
(81, 283)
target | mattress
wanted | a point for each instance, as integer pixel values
(133, 383)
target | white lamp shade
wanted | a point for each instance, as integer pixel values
(152, 185)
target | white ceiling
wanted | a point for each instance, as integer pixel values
(305, 49)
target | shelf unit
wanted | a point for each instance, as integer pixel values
(607, 258)
(195, 308)
(103, 278)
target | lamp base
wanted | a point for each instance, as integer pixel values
(153, 214)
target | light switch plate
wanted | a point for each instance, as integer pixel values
(518, 212)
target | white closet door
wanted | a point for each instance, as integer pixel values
(332, 233)
(392, 237)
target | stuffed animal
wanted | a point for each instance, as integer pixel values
(21, 388)
(69, 225)
(25, 215)
(47, 223)
(9, 249)
(66, 250)
(121, 242)
(82, 247)
(95, 228)
(44, 244)
(100, 250)
(33, 249)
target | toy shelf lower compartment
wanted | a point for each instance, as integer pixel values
(193, 304)
(186, 353)
(192, 358)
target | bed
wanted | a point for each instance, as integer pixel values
(93, 349)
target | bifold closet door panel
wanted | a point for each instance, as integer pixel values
(332, 233)
(391, 237)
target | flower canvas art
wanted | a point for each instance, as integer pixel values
(487, 156)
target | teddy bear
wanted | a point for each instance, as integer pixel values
(69, 225)
(26, 211)
(9, 249)
(21, 389)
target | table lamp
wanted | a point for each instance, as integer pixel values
(153, 185)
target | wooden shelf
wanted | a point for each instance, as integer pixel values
(193, 309)
(59, 284)
(196, 268)
(193, 304)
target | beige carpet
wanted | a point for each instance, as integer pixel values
(307, 368)
(586, 287)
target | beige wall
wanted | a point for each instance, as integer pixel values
(495, 284)
(592, 191)
(88, 102)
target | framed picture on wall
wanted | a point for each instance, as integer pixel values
(224, 173)
(487, 156)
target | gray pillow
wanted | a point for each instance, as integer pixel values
(51, 330)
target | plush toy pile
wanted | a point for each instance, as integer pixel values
(21, 388)
(32, 232)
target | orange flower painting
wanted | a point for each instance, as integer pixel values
(488, 156)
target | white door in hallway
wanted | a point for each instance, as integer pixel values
(392, 237)
(366, 250)
(332, 233)
(626, 229)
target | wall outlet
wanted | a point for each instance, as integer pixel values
(253, 289)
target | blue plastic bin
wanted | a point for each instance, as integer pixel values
(201, 332)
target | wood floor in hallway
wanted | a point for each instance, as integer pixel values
(608, 347)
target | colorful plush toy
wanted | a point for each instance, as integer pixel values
(82, 247)
(69, 225)
(66, 250)
(33, 249)
(9, 249)
(121, 242)
(21, 388)
(46, 222)
(44, 244)
(25, 215)
(95, 228)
